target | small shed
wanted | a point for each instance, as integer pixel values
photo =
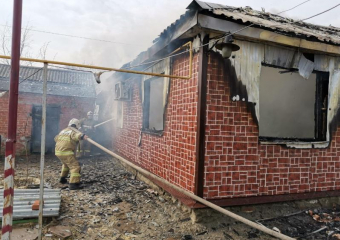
(70, 94)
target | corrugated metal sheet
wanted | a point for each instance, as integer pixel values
(306, 67)
(281, 56)
(60, 82)
(275, 22)
(24, 198)
(247, 64)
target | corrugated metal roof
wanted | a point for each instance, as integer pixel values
(59, 82)
(267, 20)
(24, 198)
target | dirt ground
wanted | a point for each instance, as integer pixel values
(115, 205)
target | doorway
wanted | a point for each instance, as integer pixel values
(52, 127)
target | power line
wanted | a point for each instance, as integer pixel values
(321, 12)
(2, 93)
(293, 7)
(31, 75)
(74, 36)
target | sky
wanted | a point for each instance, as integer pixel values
(132, 24)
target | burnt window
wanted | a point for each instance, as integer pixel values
(118, 113)
(291, 107)
(153, 105)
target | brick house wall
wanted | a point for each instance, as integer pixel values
(71, 107)
(171, 156)
(237, 165)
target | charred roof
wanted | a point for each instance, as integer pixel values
(267, 20)
(190, 24)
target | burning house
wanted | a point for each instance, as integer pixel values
(71, 94)
(256, 122)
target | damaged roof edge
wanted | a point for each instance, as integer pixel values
(179, 30)
(267, 27)
(273, 22)
(217, 24)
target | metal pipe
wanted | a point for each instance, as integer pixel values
(110, 69)
(191, 195)
(99, 124)
(7, 218)
(42, 158)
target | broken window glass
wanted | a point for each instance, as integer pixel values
(153, 109)
(291, 107)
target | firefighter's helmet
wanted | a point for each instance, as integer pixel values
(75, 122)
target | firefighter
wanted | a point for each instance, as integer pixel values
(87, 126)
(66, 142)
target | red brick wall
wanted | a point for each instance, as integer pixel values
(236, 165)
(171, 156)
(71, 107)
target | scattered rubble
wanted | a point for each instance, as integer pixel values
(60, 231)
(116, 205)
(319, 223)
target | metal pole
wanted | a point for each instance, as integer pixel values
(191, 195)
(99, 124)
(42, 158)
(7, 212)
(115, 69)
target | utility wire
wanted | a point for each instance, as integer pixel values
(2, 93)
(321, 12)
(293, 7)
(177, 54)
(31, 75)
(237, 32)
(108, 41)
(74, 36)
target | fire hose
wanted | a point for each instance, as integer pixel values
(191, 195)
(99, 124)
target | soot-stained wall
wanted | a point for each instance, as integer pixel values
(237, 165)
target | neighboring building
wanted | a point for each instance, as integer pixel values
(70, 94)
(261, 126)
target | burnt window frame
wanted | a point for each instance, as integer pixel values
(146, 107)
(320, 111)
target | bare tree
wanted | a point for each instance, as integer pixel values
(5, 40)
(43, 51)
(25, 45)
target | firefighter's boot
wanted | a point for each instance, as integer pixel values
(75, 186)
(63, 180)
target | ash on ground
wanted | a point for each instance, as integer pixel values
(115, 205)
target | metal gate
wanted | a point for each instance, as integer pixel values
(52, 127)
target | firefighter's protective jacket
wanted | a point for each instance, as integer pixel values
(66, 142)
(87, 126)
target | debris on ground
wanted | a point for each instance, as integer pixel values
(60, 231)
(24, 233)
(319, 223)
(116, 205)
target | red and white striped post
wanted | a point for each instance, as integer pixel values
(7, 213)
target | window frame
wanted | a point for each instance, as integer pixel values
(320, 130)
(146, 107)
